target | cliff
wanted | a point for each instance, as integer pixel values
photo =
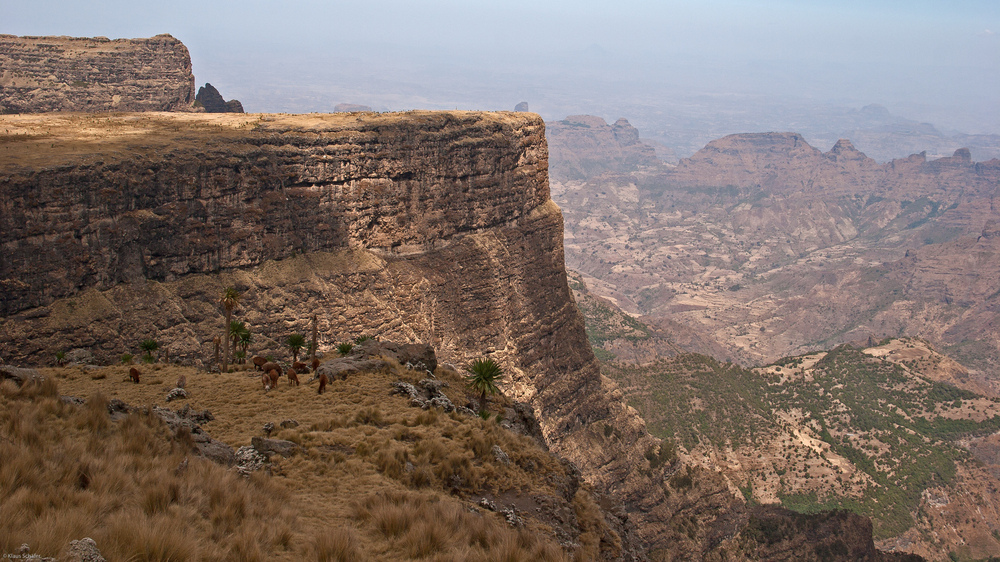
(433, 227)
(46, 74)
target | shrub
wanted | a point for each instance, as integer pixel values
(345, 347)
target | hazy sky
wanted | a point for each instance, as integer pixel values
(936, 61)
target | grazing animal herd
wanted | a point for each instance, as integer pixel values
(270, 372)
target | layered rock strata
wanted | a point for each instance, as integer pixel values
(46, 74)
(431, 227)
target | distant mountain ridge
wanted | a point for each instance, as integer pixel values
(771, 247)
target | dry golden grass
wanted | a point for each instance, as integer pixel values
(48, 139)
(69, 472)
(377, 479)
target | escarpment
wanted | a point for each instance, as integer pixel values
(46, 74)
(432, 227)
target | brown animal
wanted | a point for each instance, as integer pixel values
(293, 377)
(181, 381)
(323, 379)
(271, 366)
(315, 364)
(259, 362)
(133, 374)
(273, 374)
(266, 380)
(300, 367)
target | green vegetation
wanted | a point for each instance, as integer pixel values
(606, 324)
(484, 373)
(241, 338)
(295, 343)
(148, 346)
(893, 425)
(345, 347)
(230, 300)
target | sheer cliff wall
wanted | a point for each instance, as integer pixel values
(45, 74)
(433, 227)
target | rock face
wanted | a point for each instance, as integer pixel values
(46, 74)
(212, 101)
(429, 227)
(583, 146)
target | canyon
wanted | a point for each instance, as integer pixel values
(433, 227)
(769, 247)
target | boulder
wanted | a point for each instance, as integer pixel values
(17, 374)
(413, 355)
(270, 446)
(427, 396)
(84, 550)
(344, 366)
(80, 356)
(248, 460)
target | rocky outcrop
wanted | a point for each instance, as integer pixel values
(213, 102)
(46, 74)
(583, 146)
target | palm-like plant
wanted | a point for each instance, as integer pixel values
(148, 346)
(345, 347)
(241, 337)
(238, 334)
(295, 343)
(484, 374)
(245, 340)
(230, 300)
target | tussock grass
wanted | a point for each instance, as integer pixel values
(421, 525)
(69, 472)
(376, 480)
(339, 545)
